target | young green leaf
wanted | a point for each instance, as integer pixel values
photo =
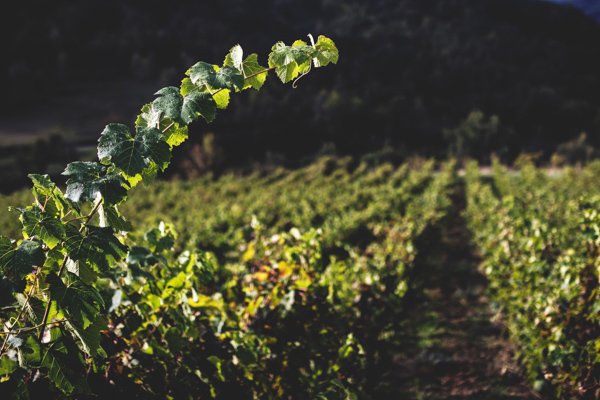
(284, 55)
(48, 197)
(39, 223)
(290, 61)
(148, 118)
(43, 183)
(173, 134)
(225, 78)
(249, 67)
(235, 57)
(221, 98)
(326, 52)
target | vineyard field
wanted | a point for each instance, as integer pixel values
(340, 280)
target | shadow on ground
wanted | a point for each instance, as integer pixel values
(445, 344)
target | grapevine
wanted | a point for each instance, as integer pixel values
(52, 312)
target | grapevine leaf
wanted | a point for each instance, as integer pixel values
(187, 87)
(249, 67)
(33, 307)
(100, 248)
(110, 216)
(16, 263)
(144, 257)
(174, 284)
(48, 197)
(89, 337)
(133, 155)
(201, 73)
(326, 52)
(7, 365)
(65, 365)
(86, 181)
(158, 242)
(235, 57)
(299, 43)
(53, 205)
(198, 103)
(149, 174)
(30, 352)
(148, 118)
(289, 61)
(7, 288)
(82, 270)
(46, 203)
(173, 338)
(78, 301)
(45, 226)
(54, 259)
(175, 134)
(43, 182)
(169, 105)
(288, 72)
(252, 67)
(222, 98)
(283, 55)
(185, 110)
(224, 78)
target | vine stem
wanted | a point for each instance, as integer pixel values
(47, 312)
(20, 313)
(217, 91)
(248, 77)
(27, 329)
(60, 271)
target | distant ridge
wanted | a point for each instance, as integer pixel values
(589, 7)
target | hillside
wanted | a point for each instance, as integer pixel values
(410, 73)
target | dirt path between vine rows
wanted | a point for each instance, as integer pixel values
(446, 346)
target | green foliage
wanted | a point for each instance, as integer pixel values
(54, 315)
(537, 235)
(262, 309)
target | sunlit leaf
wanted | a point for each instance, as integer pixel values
(88, 179)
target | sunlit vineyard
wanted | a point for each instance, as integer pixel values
(289, 284)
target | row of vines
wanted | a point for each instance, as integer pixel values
(274, 287)
(539, 236)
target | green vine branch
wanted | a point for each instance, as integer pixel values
(124, 159)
